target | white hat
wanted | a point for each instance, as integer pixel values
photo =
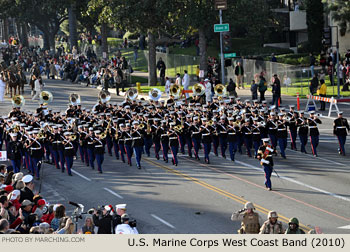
(15, 194)
(13, 134)
(120, 206)
(266, 140)
(27, 178)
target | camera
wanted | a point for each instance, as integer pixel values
(132, 223)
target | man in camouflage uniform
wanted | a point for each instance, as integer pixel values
(272, 225)
(249, 219)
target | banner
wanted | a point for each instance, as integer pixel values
(3, 156)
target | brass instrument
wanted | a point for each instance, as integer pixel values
(220, 90)
(104, 96)
(18, 101)
(175, 90)
(178, 128)
(154, 94)
(103, 135)
(74, 99)
(198, 89)
(141, 126)
(148, 127)
(73, 137)
(210, 122)
(132, 94)
(46, 97)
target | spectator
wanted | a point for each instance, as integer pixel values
(254, 90)
(125, 228)
(167, 86)
(231, 88)
(262, 87)
(4, 226)
(40, 208)
(60, 212)
(103, 220)
(276, 91)
(323, 93)
(331, 72)
(161, 67)
(313, 84)
(27, 191)
(239, 72)
(312, 63)
(89, 227)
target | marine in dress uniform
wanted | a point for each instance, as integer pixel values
(206, 132)
(293, 129)
(68, 152)
(14, 152)
(137, 137)
(222, 130)
(164, 139)
(282, 134)
(314, 133)
(90, 145)
(247, 135)
(99, 150)
(265, 156)
(196, 136)
(173, 143)
(35, 154)
(128, 143)
(303, 131)
(340, 129)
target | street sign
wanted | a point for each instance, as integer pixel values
(221, 27)
(230, 55)
(220, 4)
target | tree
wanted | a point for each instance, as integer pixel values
(340, 11)
(154, 17)
(315, 23)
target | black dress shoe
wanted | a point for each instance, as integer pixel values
(100, 172)
(139, 167)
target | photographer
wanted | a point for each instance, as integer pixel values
(103, 220)
(126, 227)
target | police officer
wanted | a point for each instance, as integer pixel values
(14, 152)
(265, 156)
(249, 219)
(340, 129)
(272, 225)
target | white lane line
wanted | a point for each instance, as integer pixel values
(345, 227)
(163, 221)
(296, 182)
(114, 193)
(323, 159)
(81, 175)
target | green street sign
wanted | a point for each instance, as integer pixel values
(230, 55)
(221, 27)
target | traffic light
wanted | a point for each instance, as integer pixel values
(327, 36)
(226, 41)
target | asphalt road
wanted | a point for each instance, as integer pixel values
(198, 198)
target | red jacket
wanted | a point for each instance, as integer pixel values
(47, 218)
(16, 204)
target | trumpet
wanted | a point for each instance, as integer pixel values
(141, 126)
(73, 137)
(178, 128)
(103, 135)
(210, 122)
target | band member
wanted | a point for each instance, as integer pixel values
(90, 145)
(164, 139)
(282, 134)
(173, 142)
(14, 152)
(36, 154)
(293, 129)
(187, 134)
(265, 156)
(232, 129)
(120, 140)
(196, 136)
(206, 131)
(221, 129)
(271, 125)
(340, 128)
(156, 137)
(256, 137)
(314, 133)
(113, 132)
(128, 143)
(60, 146)
(303, 131)
(137, 137)
(148, 136)
(68, 152)
(215, 136)
(247, 134)
(99, 150)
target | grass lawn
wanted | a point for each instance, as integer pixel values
(146, 89)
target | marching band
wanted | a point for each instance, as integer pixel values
(134, 126)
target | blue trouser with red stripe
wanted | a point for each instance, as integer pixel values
(189, 145)
(99, 161)
(232, 147)
(314, 143)
(196, 142)
(268, 171)
(165, 149)
(303, 142)
(128, 151)
(122, 151)
(69, 164)
(91, 155)
(174, 151)
(207, 148)
(342, 141)
(138, 155)
(116, 149)
(148, 144)
(223, 144)
(35, 167)
(62, 161)
(16, 164)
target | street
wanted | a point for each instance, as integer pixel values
(196, 197)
